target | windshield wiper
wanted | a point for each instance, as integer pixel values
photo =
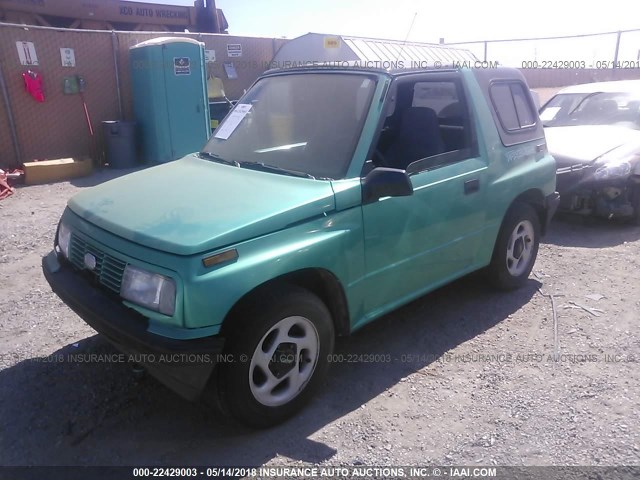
(218, 158)
(256, 165)
(273, 168)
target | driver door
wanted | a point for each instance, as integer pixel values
(416, 243)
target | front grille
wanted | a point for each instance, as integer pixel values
(108, 270)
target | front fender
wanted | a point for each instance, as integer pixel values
(333, 242)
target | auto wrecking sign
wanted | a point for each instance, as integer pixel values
(106, 10)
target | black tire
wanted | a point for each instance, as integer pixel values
(509, 272)
(238, 380)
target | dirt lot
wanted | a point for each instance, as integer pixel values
(472, 377)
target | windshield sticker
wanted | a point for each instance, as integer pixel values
(232, 121)
(549, 113)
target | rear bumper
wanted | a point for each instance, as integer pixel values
(183, 365)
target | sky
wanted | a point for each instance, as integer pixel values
(455, 21)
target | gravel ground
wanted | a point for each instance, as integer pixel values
(471, 379)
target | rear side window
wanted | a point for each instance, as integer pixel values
(511, 102)
(526, 115)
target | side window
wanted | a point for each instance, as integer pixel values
(504, 105)
(523, 107)
(511, 102)
(429, 127)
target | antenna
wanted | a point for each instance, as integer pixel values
(407, 37)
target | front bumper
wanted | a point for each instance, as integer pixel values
(183, 365)
(608, 198)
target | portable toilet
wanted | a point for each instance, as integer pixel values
(170, 103)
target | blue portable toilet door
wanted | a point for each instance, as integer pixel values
(186, 98)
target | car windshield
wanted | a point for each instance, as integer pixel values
(596, 108)
(304, 123)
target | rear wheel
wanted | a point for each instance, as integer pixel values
(280, 349)
(516, 248)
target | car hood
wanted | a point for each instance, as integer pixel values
(194, 205)
(585, 143)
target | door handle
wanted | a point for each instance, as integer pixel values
(471, 186)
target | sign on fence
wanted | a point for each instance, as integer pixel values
(27, 53)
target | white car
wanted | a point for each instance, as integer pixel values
(593, 132)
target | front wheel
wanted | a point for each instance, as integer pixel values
(280, 350)
(516, 248)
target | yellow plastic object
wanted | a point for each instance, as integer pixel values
(215, 87)
(48, 171)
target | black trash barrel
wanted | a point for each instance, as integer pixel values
(120, 141)
(217, 111)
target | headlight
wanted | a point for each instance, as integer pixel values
(150, 290)
(617, 162)
(64, 239)
(612, 170)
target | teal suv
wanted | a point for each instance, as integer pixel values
(326, 198)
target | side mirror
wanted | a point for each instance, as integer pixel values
(385, 182)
